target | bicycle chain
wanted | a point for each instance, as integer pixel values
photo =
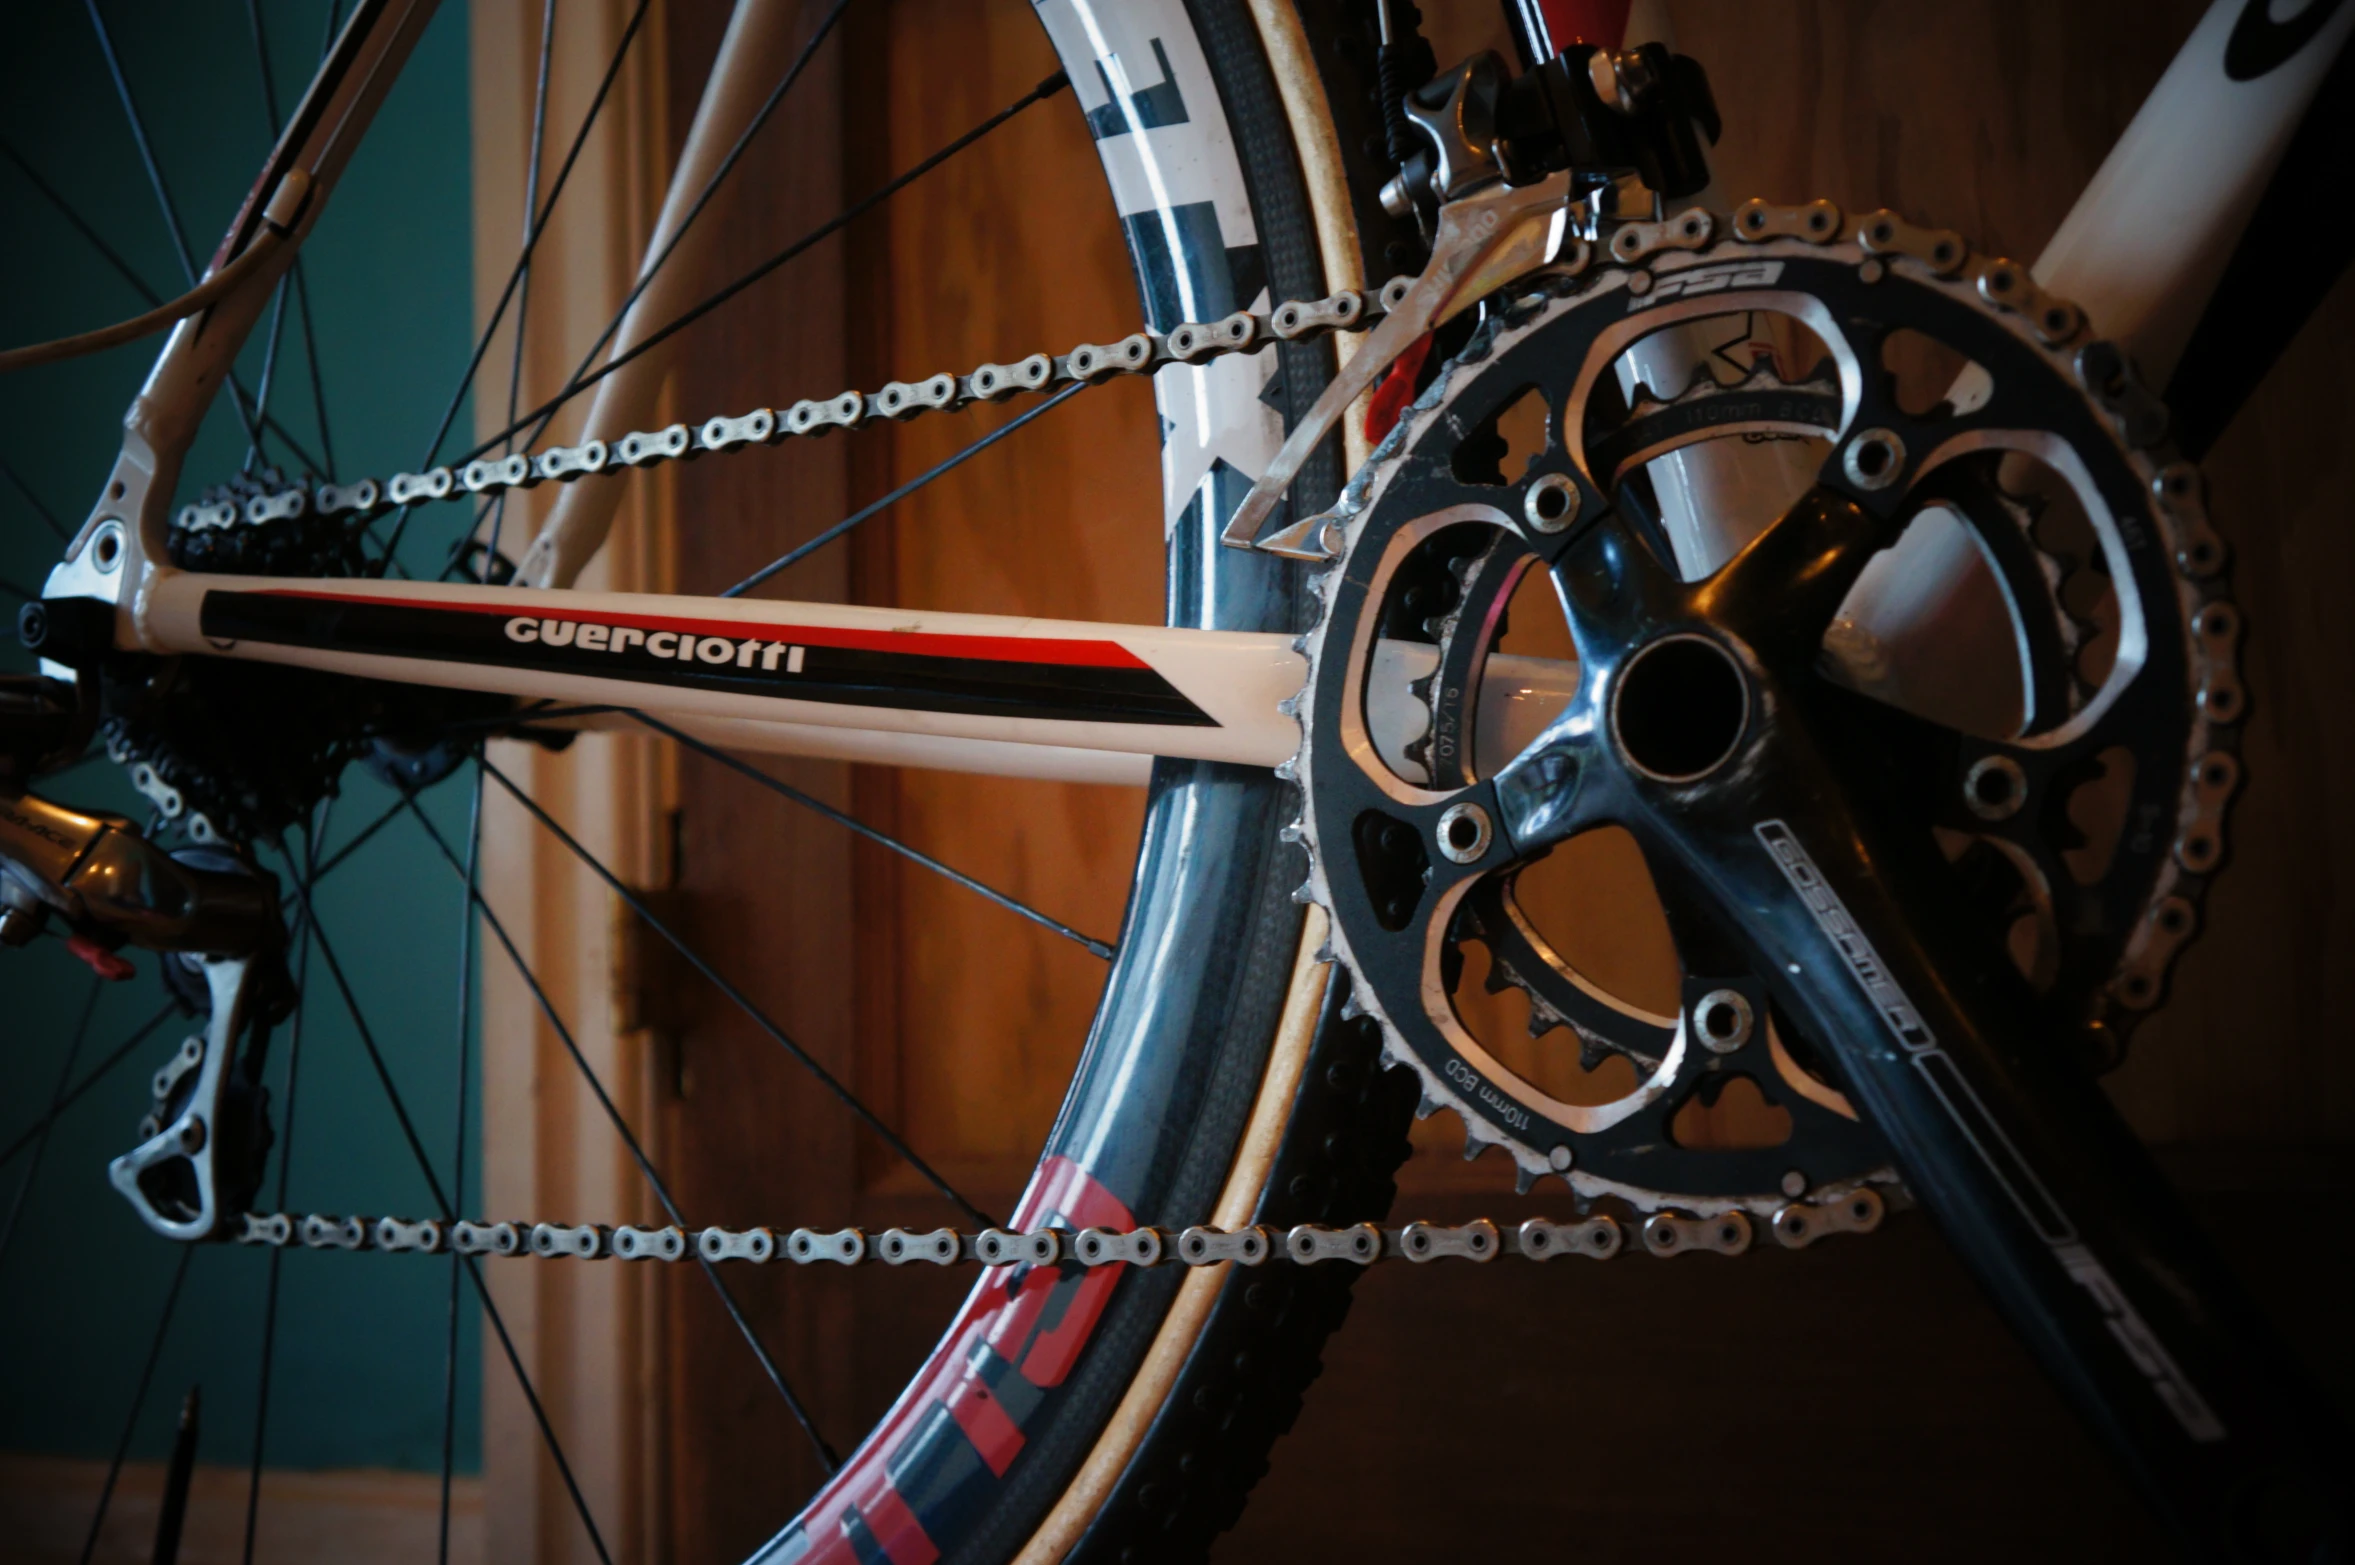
(1140, 353)
(1600, 1237)
(1795, 1225)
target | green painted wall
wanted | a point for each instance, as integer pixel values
(361, 1337)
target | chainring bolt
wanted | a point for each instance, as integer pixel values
(1724, 1020)
(1465, 833)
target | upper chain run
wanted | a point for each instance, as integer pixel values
(1140, 353)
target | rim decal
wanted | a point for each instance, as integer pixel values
(1004, 676)
(936, 1461)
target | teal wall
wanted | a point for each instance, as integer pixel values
(360, 1344)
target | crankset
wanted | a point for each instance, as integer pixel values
(1738, 462)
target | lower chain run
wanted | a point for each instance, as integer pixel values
(1139, 354)
(1795, 1226)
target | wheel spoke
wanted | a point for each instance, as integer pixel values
(449, 1213)
(741, 1001)
(138, 124)
(818, 806)
(11, 588)
(65, 1073)
(540, 416)
(40, 509)
(261, 401)
(65, 209)
(122, 1448)
(294, 1057)
(703, 197)
(122, 1052)
(139, 286)
(348, 849)
(523, 294)
(261, 53)
(472, 876)
(253, 451)
(163, 192)
(621, 1126)
(947, 464)
(515, 274)
(302, 308)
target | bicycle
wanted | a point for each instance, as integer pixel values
(1425, 787)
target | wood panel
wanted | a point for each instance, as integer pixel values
(1011, 249)
(355, 1518)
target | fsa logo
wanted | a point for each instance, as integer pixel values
(1708, 279)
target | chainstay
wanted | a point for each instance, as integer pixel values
(1600, 1237)
(1141, 353)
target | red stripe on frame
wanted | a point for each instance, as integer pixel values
(1062, 651)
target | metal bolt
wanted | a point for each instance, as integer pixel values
(1995, 788)
(1465, 833)
(1550, 503)
(1723, 1019)
(1874, 459)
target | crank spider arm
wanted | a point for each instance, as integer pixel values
(2048, 1195)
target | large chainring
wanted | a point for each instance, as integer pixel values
(2080, 822)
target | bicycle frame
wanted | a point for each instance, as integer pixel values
(1094, 702)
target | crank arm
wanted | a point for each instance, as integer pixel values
(2044, 1190)
(1485, 240)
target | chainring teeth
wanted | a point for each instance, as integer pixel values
(2044, 325)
